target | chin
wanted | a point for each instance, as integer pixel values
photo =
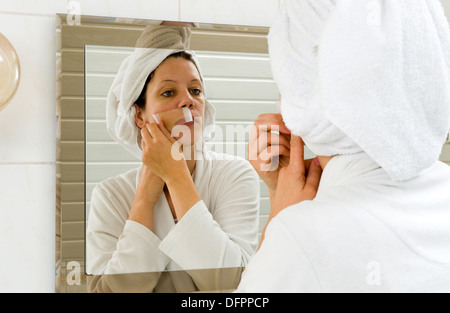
(188, 135)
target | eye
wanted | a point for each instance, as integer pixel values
(196, 92)
(168, 93)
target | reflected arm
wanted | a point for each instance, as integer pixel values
(223, 235)
(114, 244)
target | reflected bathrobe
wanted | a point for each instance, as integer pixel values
(220, 231)
(362, 233)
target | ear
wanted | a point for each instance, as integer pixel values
(139, 117)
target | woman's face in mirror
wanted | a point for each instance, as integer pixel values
(176, 83)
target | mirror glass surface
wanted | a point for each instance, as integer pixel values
(237, 81)
(239, 86)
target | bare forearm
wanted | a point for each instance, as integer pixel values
(143, 213)
(183, 193)
(149, 190)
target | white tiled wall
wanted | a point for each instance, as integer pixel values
(240, 12)
(28, 125)
(27, 230)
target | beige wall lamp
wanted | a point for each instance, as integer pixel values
(9, 71)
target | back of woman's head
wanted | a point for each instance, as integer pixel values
(365, 75)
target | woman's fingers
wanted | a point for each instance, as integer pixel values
(271, 152)
(268, 130)
(165, 132)
(268, 122)
(297, 162)
(272, 119)
(151, 129)
(271, 158)
(145, 134)
(260, 142)
(308, 163)
(270, 139)
(159, 131)
(314, 176)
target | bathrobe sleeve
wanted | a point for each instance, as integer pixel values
(223, 234)
(280, 251)
(112, 239)
(226, 234)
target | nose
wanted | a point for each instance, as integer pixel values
(186, 101)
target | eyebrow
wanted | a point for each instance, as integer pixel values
(174, 81)
(168, 81)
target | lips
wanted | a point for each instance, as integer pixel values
(188, 124)
(183, 122)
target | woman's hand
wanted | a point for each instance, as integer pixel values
(269, 148)
(161, 153)
(297, 182)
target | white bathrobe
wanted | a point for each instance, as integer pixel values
(362, 233)
(219, 231)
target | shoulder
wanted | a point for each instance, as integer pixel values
(112, 198)
(121, 185)
(328, 218)
(280, 265)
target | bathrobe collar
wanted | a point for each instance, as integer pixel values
(345, 168)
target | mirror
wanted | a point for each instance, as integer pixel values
(237, 80)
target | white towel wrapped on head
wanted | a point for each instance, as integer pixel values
(154, 45)
(365, 75)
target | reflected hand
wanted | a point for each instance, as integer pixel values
(268, 151)
(161, 153)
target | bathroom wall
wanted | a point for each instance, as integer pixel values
(28, 124)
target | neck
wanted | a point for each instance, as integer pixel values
(323, 160)
(191, 165)
(190, 156)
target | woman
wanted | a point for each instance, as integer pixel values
(365, 84)
(178, 211)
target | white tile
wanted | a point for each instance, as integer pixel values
(27, 228)
(140, 9)
(48, 7)
(28, 123)
(235, 12)
(445, 3)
